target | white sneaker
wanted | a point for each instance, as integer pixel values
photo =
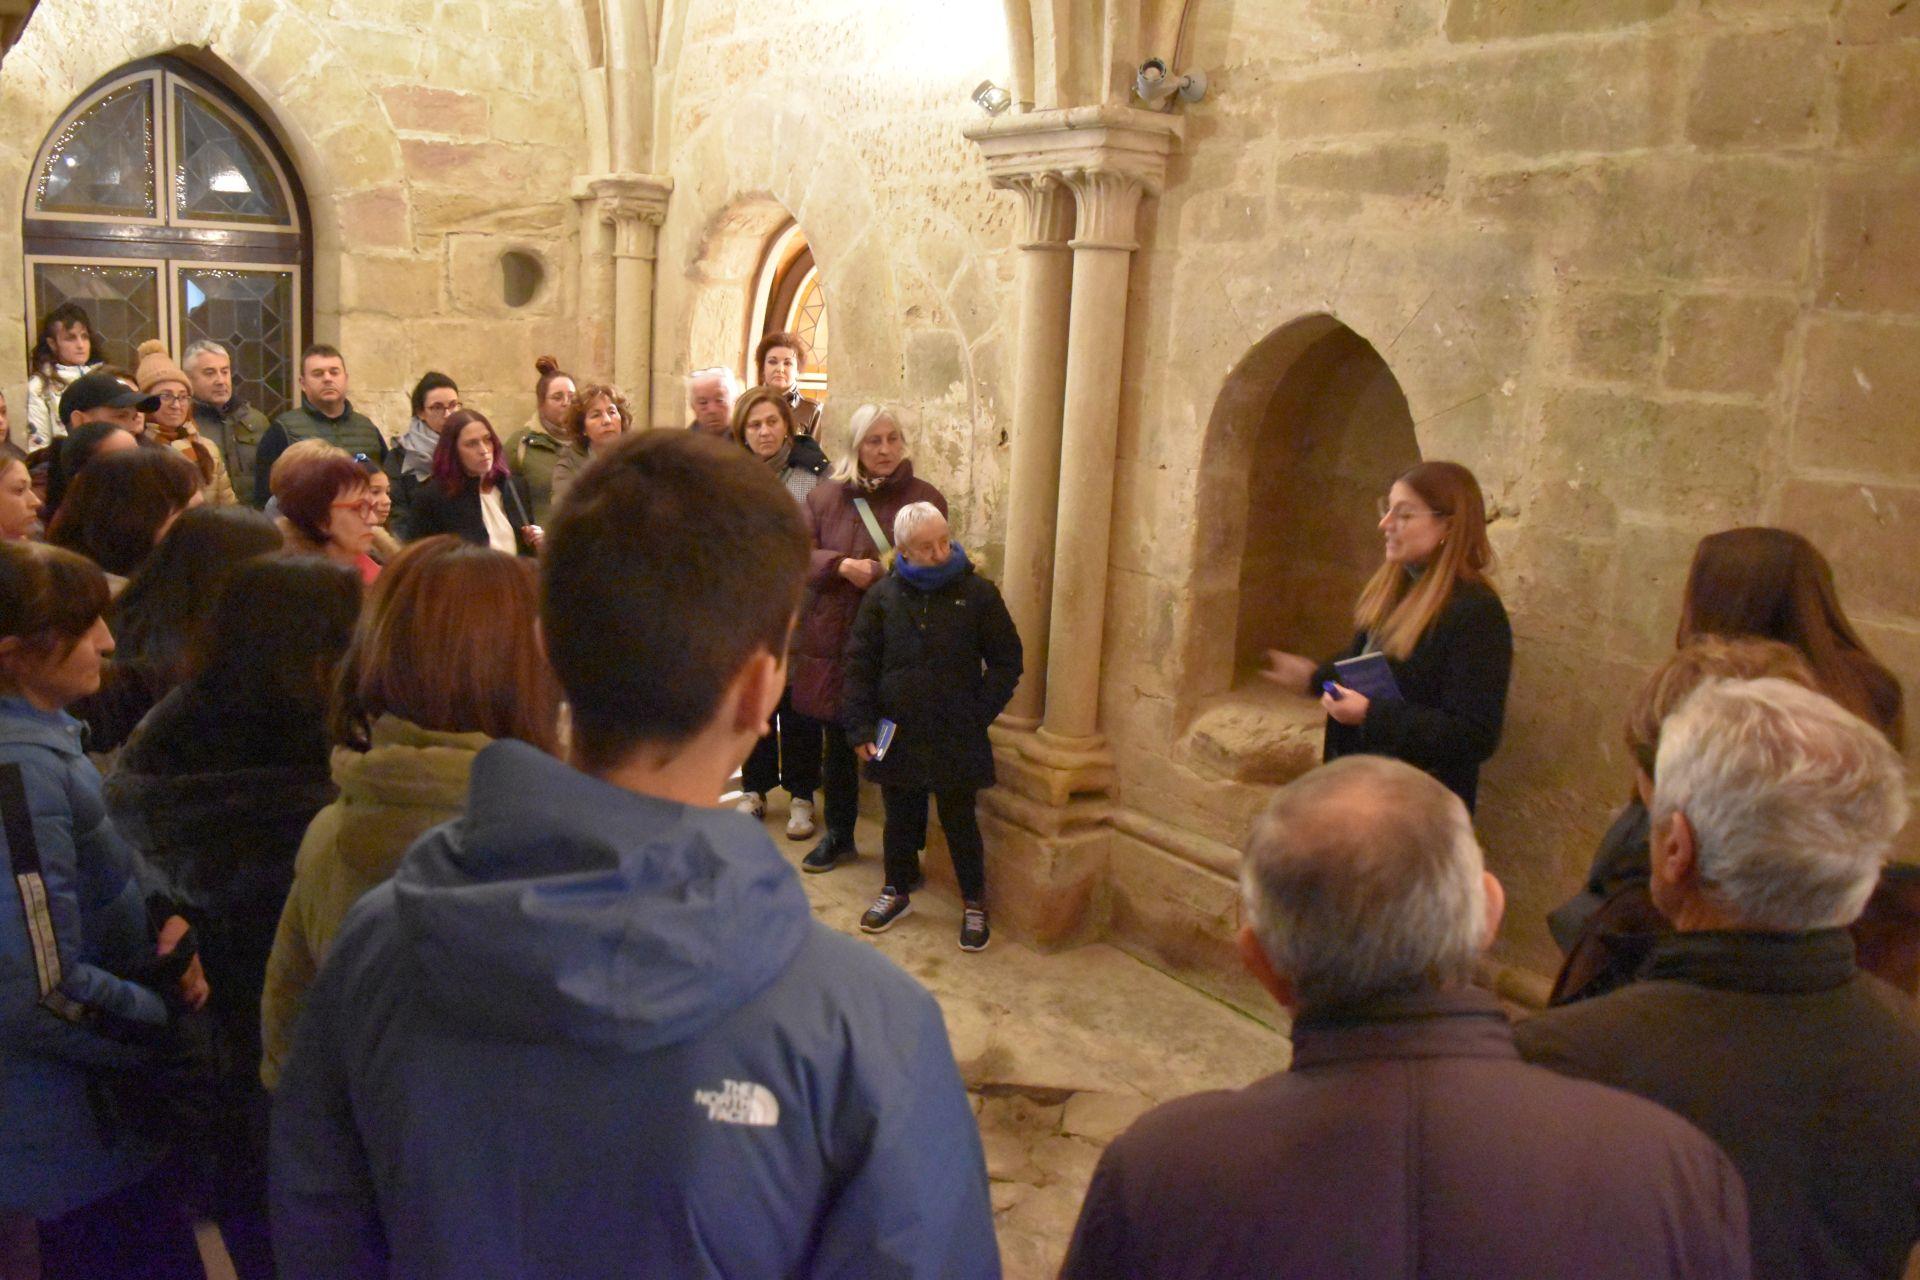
(800, 820)
(753, 804)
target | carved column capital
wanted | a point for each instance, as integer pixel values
(1107, 157)
(1049, 209)
(632, 205)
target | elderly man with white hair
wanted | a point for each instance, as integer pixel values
(1773, 810)
(221, 414)
(710, 397)
(1407, 1138)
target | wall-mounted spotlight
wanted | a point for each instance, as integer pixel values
(991, 98)
(1155, 84)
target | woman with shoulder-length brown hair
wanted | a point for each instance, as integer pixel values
(1774, 584)
(598, 419)
(447, 658)
(1431, 612)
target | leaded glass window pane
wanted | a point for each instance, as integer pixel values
(103, 164)
(809, 321)
(250, 313)
(123, 302)
(219, 174)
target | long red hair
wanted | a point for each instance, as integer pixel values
(1395, 607)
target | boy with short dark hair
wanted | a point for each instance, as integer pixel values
(591, 1028)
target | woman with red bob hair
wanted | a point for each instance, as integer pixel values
(472, 494)
(327, 509)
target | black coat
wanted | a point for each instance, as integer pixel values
(941, 665)
(1804, 1070)
(216, 793)
(434, 512)
(1455, 688)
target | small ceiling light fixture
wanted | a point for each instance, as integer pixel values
(991, 98)
(1156, 86)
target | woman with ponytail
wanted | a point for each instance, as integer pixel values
(533, 450)
(1432, 615)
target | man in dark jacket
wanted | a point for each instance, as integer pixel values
(934, 651)
(591, 1028)
(325, 413)
(1408, 1139)
(221, 415)
(1773, 810)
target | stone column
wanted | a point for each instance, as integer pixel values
(1107, 203)
(630, 209)
(1045, 278)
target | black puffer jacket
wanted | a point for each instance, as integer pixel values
(216, 797)
(940, 664)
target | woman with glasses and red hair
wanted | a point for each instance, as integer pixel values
(1440, 631)
(327, 508)
(472, 494)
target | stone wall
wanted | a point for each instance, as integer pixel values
(1648, 267)
(431, 138)
(846, 116)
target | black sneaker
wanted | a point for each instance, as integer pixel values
(974, 932)
(886, 908)
(829, 853)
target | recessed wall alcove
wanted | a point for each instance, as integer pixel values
(1309, 429)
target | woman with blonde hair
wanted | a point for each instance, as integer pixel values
(446, 659)
(848, 518)
(598, 419)
(1432, 616)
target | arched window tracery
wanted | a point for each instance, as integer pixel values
(163, 205)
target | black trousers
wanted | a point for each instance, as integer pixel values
(789, 756)
(907, 834)
(138, 1233)
(838, 769)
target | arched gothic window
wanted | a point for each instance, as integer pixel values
(790, 298)
(164, 206)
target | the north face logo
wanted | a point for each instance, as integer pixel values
(739, 1102)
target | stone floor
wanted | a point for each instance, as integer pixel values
(1061, 1052)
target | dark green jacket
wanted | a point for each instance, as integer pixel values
(1804, 1070)
(531, 454)
(238, 428)
(352, 431)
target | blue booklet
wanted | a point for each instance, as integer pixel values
(883, 738)
(1369, 676)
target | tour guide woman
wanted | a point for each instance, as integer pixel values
(1432, 613)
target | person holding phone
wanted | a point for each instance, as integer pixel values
(1433, 617)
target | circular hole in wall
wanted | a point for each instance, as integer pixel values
(521, 275)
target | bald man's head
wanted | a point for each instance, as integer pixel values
(1363, 879)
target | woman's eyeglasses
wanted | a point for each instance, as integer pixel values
(1400, 515)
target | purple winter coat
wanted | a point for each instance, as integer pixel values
(818, 664)
(1409, 1140)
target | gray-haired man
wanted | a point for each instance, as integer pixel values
(221, 415)
(1407, 1138)
(1773, 810)
(710, 397)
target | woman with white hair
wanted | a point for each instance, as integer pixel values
(848, 518)
(935, 653)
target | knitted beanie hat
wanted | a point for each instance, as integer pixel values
(156, 367)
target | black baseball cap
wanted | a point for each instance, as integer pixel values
(102, 391)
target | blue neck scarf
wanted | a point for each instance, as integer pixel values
(932, 578)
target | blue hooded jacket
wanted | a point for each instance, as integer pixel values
(585, 1032)
(75, 917)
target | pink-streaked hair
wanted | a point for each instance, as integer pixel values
(446, 455)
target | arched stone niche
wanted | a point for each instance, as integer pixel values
(1308, 430)
(1336, 430)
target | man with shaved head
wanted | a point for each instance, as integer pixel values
(1407, 1138)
